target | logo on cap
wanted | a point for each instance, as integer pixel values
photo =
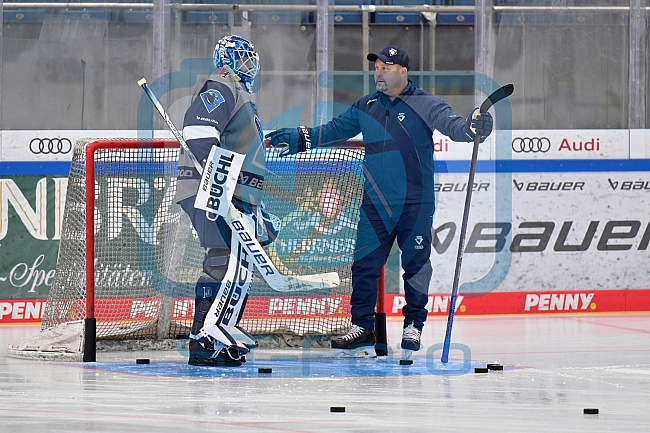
(392, 52)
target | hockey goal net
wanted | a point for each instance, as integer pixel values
(129, 258)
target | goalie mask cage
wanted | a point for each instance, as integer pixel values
(129, 267)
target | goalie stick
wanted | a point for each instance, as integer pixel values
(495, 97)
(239, 223)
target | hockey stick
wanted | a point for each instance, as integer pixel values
(495, 97)
(239, 224)
(143, 83)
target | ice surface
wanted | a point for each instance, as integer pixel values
(554, 367)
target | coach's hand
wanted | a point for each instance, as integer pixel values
(480, 123)
(295, 139)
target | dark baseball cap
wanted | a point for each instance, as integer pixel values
(392, 55)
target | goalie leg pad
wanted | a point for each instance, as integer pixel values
(230, 299)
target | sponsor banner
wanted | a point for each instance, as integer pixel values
(270, 307)
(571, 144)
(596, 301)
(55, 145)
(550, 231)
(31, 219)
(446, 149)
(556, 144)
(21, 311)
(122, 309)
(579, 230)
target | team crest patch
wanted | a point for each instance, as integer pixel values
(212, 99)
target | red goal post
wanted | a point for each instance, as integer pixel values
(128, 258)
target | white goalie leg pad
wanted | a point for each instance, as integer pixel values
(224, 311)
(243, 336)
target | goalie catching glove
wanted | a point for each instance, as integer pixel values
(296, 140)
(479, 124)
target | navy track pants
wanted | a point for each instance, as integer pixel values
(378, 228)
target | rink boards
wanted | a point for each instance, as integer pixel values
(558, 224)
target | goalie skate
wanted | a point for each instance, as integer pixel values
(215, 354)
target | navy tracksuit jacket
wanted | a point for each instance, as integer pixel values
(398, 200)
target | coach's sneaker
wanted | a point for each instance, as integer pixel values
(203, 354)
(411, 338)
(358, 342)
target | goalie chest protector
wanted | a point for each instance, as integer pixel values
(223, 114)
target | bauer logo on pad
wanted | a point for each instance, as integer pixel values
(212, 99)
(218, 181)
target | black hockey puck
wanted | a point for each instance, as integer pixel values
(265, 370)
(495, 367)
(590, 411)
(480, 370)
(337, 409)
(405, 362)
(142, 361)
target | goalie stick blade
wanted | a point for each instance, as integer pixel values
(276, 280)
(496, 96)
(328, 280)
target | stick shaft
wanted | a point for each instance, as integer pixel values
(459, 257)
(495, 97)
(170, 124)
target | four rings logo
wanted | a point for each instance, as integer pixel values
(531, 144)
(50, 145)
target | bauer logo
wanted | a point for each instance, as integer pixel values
(629, 185)
(212, 99)
(544, 186)
(460, 187)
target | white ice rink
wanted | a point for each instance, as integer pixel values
(554, 368)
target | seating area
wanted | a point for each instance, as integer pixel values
(131, 15)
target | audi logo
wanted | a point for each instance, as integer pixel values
(50, 145)
(531, 145)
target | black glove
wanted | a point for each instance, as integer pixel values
(296, 139)
(480, 123)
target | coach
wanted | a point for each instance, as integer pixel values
(397, 123)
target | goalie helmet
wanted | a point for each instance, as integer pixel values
(239, 55)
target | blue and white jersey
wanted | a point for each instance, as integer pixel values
(398, 141)
(224, 115)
